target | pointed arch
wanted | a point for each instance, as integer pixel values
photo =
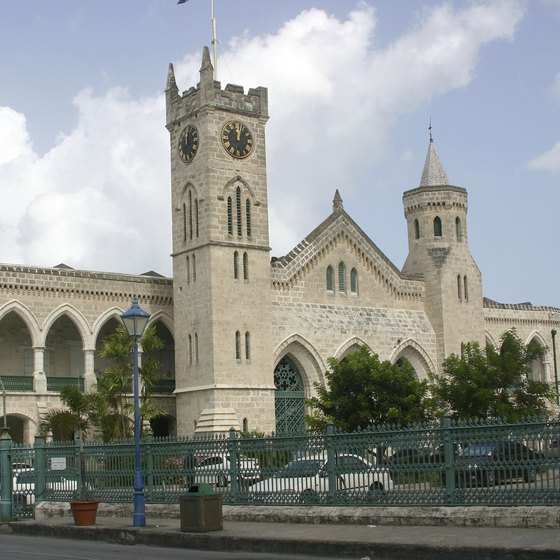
(416, 356)
(437, 227)
(308, 360)
(351, 345)
(490, 340)
(23, 312)
(539, 364)
(229, 187)
(76, 317)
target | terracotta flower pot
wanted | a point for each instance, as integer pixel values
(84, 512)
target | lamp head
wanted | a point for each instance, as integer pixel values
(135, 319)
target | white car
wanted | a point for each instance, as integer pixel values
(309, 477)
(216, 470)
(23, 486)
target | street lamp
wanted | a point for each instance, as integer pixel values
(135, 321)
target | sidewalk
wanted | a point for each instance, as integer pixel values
(352, 540)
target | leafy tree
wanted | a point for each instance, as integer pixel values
(361, 391)
(492, 384)
(115, 383)
(111, 406)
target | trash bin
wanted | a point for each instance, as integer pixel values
(201, 509)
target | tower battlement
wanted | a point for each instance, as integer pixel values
(208, 94)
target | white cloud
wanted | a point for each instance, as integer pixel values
(548, 161)
(100, 197)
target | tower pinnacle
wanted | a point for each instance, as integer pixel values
(434, 172)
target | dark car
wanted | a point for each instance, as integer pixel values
(487, 464)
(410, 455)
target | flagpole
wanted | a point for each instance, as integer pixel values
(214, 43)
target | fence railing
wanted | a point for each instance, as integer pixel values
(448, 463)
(17, 383)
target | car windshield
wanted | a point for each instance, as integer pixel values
(301, 467)
(478, 450)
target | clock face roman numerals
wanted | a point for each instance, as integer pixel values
(237, 139)
(188, 143)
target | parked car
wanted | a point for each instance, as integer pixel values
(487, 464)
(23, 485)
(216, 470)
(411, 455)
(552, 449)
(309, 477)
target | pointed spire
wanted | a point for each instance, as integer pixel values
(206, 62)
(171, 83)
(337, 202)
(434, 172)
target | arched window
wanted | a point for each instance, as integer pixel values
(247, 346)
(236, 265)
(330, 278)
(229, 217)
(196, 348)
(466, 289)
(416, 229)
(184, 222)
(237, 345)
(248, 217)
(196, 215)
(245, 266)
(341, 277)
(459, 287)
(458, 231)
(190, 349)
(437, 226)
(190, 215)
(193, 268)
(354, 281)
(188, 270)
(245, 426)
(238, 208)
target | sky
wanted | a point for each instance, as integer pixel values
(353, 85)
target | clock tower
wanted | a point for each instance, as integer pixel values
(221, 263)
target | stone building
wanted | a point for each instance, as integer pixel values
(247, 336)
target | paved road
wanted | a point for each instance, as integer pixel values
(16, 547)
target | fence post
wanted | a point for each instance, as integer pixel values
(40, 468)
(331, 462)
(79, 471)
(233, 464)
(449, 459)
(6, 479)
(149, 464)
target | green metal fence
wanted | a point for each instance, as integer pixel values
(448, 463)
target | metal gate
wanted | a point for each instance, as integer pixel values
(289, 399)
(23, 479)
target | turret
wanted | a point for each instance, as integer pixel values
(436, 214)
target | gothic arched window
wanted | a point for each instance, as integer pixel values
(238, 208)
(416, 229)
(247, 346)
(330, 278)
(237, 345)
(245, 266)
(229, 217)
(437, 226)
(354, 281)
(458, 231)
(236, 265)
(341, 277)
(248, 217)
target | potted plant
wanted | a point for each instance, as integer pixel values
(73, 424)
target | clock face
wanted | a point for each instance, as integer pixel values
(188, 143)
(237, 139)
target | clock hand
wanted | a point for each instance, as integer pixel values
(238, 131)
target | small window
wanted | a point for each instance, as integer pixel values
(184, 222)
(459, 287)
(190, 349)
(193, 268)
(437, 226)
(354, 281)
(245, 266)
(458, 231)
(330, 278)
(196, 215)
(416, 229)
(236, 265)
(188, 263)
(237, 345)
(248, 217)
(341, 277)
(238, 207)
(466, 289)
(190, 216)
(229, 216)
(247, 346)
(196, 348)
